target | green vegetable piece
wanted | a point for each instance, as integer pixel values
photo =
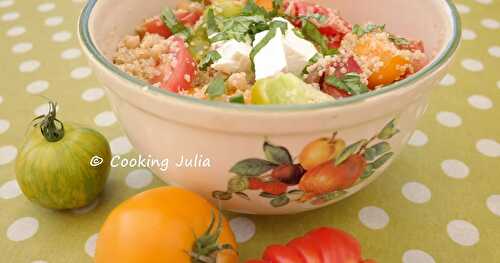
(237, 99)
(382, 160)
(209, 59)
(348, 151)
(360, 31)
(388, 131)
(216, 87)
(350, 82)
(282, 200)
(398, 41)
(252, 9)
(311, 32)
(252, 167)
(277, 154)
(170, 20)
(211, 22)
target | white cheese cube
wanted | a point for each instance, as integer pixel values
(271, 59)
(298, 52)
(235, 56)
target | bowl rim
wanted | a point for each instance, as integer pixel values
(444, 55)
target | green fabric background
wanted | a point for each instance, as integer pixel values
(63, 236)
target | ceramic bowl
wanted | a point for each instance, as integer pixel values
(226, 151)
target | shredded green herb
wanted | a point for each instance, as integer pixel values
(237, 99)
(311, 61)
(277, 6)
(360, 31)
(209, 59)
(399, 41)
(211, 23)
(216, 87)
(252, 9)
(169, 19)
(239, 28)
(350, 82)
(311, 33)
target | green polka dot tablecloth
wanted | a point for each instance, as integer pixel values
(438, 202)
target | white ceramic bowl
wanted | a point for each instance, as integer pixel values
(163, 125)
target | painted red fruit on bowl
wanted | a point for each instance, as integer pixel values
(323, 172)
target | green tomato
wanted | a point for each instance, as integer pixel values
(62, 167)
(227, 8)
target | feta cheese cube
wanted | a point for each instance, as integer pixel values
(271, 59)
(298, 52)
(235, 56)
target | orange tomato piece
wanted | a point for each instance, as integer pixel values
(160, 225)
(391, 71)
(267, 4)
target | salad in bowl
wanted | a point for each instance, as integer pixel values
(265, 52)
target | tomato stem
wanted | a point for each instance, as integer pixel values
(52, 128)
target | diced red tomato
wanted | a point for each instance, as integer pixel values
(156, 26)
(179, 74)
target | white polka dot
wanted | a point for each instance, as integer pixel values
(449, 119)
(37, 86)
(493, 204)
(1, 99)
(92, 94)
(43, 109)
(494, 51)
(480, 102)
(472, 65)
(7, 154)
(488, 147)
(11, 16)
(86, 209)
(90, 245)
(455, 169)
(448, 80)
(22, 229)
(54, 21)
(71, 53)
(462, 9)
(373, 217)
(105, 119)
(81, 72)
(463, 232)
(29, 66)
(468, 34)
(46, 7)
(22, 47)
(4, 125)
(61, 36)
(138, 179)
(490, 23)
(417, 256)
(243, 228)
(10, 190)
(16, 31)
(498, 84)
(416, 192)
(418, 138)
(6, 3)
(484, 2)
(120, 145)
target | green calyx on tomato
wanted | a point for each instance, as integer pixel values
(52, 129)
(205, 248)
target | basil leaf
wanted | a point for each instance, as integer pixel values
(311, 61)
(170, 20)
(360, 31)
(252, 167)
(311, 33)
(212, 26)
(252, 9)
(350, 82)
(239, 28)
(215, 87)
(399, 41)
(209, 59)
(237, 99)
(277, 154)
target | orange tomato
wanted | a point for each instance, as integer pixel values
(267, 4)
(164, 225)
(394, 66)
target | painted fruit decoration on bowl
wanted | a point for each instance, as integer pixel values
(324, 170)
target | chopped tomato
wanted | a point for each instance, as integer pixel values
(351, 67)
(156, 26)
(178, 74)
